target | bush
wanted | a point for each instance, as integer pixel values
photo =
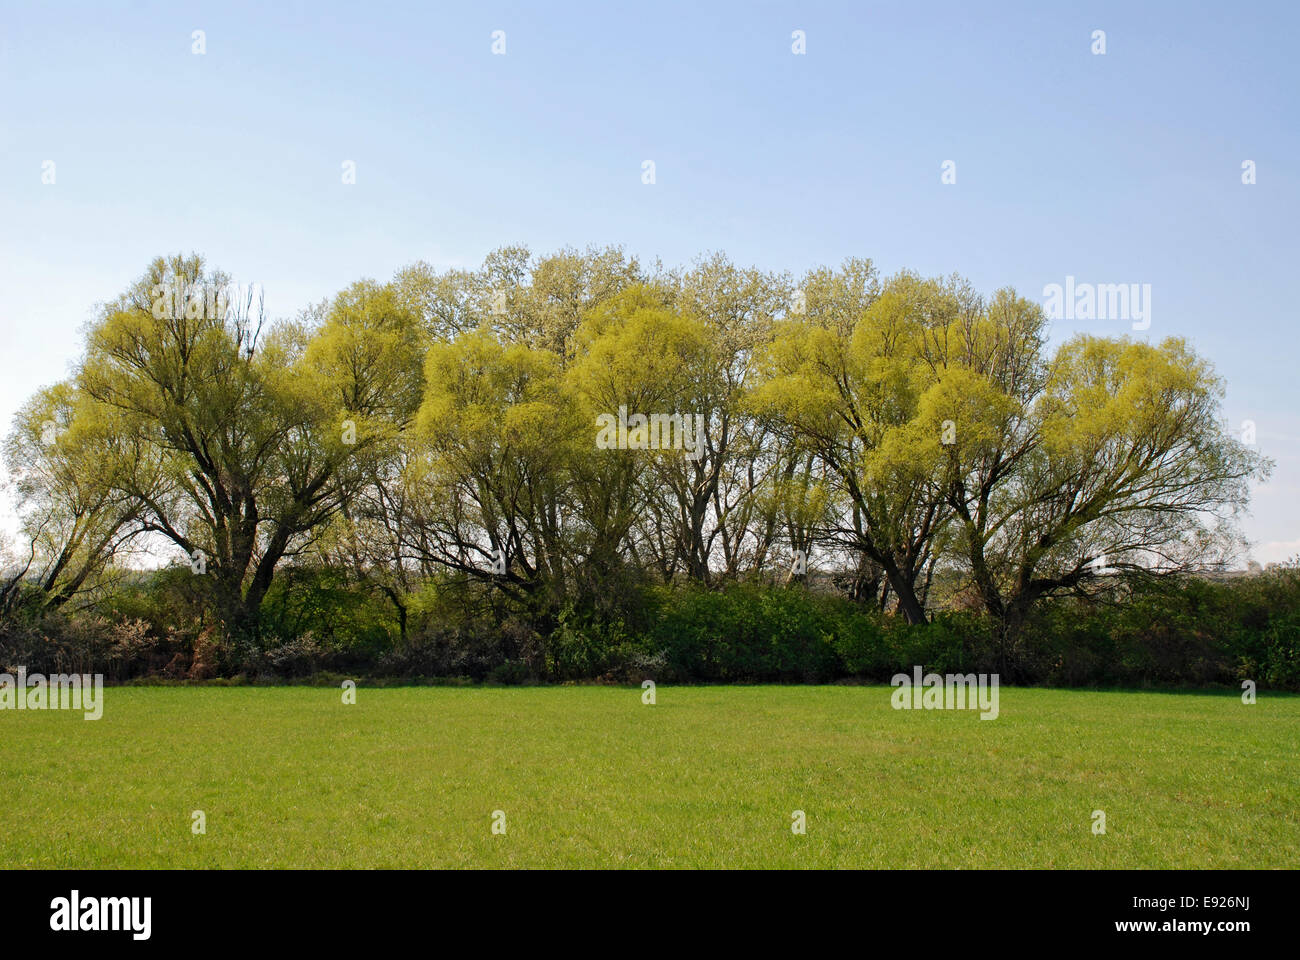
(582, 647)
(1189, 632)
(747, 632)
(511, 673)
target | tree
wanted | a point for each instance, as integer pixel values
(641, 358)
(846, 380)
(450, 425)
(1112, 460)
(249, 424)
(497, 428)
(70, 466)
(716, 497)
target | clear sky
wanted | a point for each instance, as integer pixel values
(1124, 167)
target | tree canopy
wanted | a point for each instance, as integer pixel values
(448, 425)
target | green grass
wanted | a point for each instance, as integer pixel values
(707, 777)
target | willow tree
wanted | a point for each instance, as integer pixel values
(641, 358)
(71, 468)
(1110, 459)
(956, 437)
(725, 518)
(257, 429)
(496, 432)
(845, 380)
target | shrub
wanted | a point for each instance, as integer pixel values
(747, 632)
(1188, 632)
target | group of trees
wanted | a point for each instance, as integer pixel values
(893, 432)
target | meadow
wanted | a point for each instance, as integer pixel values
(589, 776)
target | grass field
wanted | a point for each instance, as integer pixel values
(706, 777)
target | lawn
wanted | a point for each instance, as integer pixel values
(706, 777)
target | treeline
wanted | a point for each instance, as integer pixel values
(548, 442)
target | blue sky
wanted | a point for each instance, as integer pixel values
(1123, 167)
